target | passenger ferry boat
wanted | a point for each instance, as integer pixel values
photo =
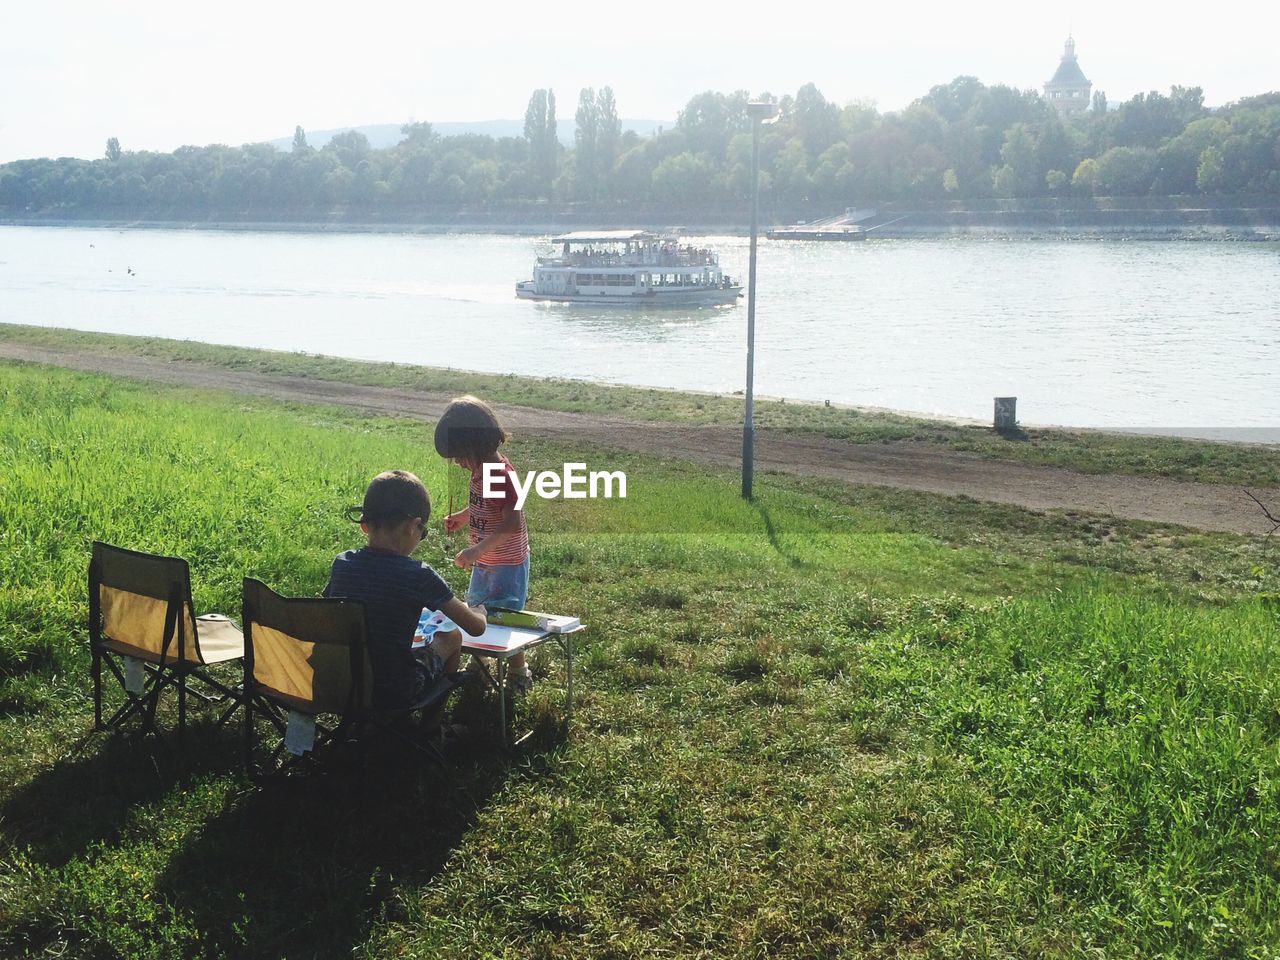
(629, 267)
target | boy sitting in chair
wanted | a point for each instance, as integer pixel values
(395, 588)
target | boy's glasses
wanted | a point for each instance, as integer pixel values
(356, 515)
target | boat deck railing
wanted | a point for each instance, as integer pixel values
(692, 258)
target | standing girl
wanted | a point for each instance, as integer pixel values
(469, 434)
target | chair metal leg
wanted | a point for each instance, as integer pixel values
(248, 731)
(431, 750)
(228, 713)
(95, 671)
(423, 746)
(152, 703)
(131, 706)
(182, 706)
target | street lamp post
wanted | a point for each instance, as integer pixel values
(760, 112)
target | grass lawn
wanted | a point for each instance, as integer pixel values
(837, 721)
(1084, 450)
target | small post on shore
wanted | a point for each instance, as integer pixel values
(1006, 414)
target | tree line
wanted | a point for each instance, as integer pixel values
(962, 141)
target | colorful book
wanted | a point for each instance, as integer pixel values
(533, 620)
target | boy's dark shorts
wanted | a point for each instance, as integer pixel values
(430, 668)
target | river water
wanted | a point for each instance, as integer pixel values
(1084, 333)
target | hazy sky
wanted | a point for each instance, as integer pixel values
(159, 75)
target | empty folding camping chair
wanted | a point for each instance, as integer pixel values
(142, 625)
(306, 673)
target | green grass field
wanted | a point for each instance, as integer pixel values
(1084, 450)
(834, 722)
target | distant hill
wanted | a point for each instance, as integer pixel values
(383, 135)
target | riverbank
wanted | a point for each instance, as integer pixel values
(837, 721)
(1191, 483)
(1198, 218)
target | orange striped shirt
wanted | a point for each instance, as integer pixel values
(486, 513)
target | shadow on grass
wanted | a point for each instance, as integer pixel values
(298, 867)
(304, 867)
(91, 794)
(772, 533)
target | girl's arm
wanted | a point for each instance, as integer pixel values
(505, 528)
(454, 521)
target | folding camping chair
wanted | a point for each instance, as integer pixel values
(142, 625)
(304, 658)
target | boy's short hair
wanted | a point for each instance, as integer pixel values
(469, 429)
(393, 496)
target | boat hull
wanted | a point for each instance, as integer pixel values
(654, 298)
(790, 233)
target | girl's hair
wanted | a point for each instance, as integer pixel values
(392, 496)
(469, 430)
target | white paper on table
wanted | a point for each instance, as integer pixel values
(300, 734)
(133, 675)
(500, 639)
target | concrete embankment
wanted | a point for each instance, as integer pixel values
(1136, 219)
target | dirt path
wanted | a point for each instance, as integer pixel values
(910, 466)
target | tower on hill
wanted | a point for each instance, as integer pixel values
(1069, 88)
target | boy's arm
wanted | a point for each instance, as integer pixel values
(470, 619)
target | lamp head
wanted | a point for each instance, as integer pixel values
(763, 110)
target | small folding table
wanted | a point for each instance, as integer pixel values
(500, 644)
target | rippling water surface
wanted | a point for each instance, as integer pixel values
(1087, 333)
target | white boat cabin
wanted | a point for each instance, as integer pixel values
(603, 266)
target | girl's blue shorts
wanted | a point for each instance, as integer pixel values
(503, 585)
